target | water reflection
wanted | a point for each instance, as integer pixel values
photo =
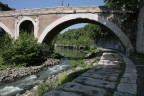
(72, 54)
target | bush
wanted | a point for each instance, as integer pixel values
(93, 52)
(26, 51)
(56, 55)
(79, 63)
(5, 41)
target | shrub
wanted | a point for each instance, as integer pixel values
(74, 64)
(79, 63)
(45, 50)
(5, 41)
(56, 55)
(26, 51)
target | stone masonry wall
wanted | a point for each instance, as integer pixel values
(140, 33)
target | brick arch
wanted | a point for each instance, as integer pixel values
(92, 17)
(34, 22)
(6, 29)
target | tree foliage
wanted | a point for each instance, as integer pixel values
(25, 51)
(122, 2)
(84, 36)
(5, 41)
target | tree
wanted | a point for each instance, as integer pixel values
(26, 51)
(84, 36)
(122, 2)
(5, 41)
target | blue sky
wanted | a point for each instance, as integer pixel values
(30, 4)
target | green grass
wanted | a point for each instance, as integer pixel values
(61, 79)
(44, 87)
(79, 63)
(67, 76)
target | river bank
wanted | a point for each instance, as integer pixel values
(54, 81)
(10, 74)
(22, 80)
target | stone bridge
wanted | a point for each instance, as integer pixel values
(46, 23)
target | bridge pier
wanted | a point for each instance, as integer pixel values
(140, 33)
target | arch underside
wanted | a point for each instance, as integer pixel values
(57, 26)
(6, 29)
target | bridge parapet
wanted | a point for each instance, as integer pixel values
(66, 10)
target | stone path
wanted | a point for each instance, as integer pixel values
(107, 78)
(138, 59)
(127, 85)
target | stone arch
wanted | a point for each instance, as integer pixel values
(34, 22)
(91, 17)
(6, 29)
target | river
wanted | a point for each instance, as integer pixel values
(25, 83)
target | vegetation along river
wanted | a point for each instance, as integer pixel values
(25, 83)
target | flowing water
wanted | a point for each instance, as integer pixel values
(20, 85)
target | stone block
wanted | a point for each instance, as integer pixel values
(128, 80)
(127, 88)
(117, 93)
(112, 72)
(83, 90)
(100, 76)
(60, 93)
(95, 82)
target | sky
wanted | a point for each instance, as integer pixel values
(30, 4)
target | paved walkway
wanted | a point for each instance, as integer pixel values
(138, 59)
(107, 78)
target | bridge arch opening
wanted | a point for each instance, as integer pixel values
(26, 26)
(32, 25)
(57, 26)
(88, 34)
(2, 32)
